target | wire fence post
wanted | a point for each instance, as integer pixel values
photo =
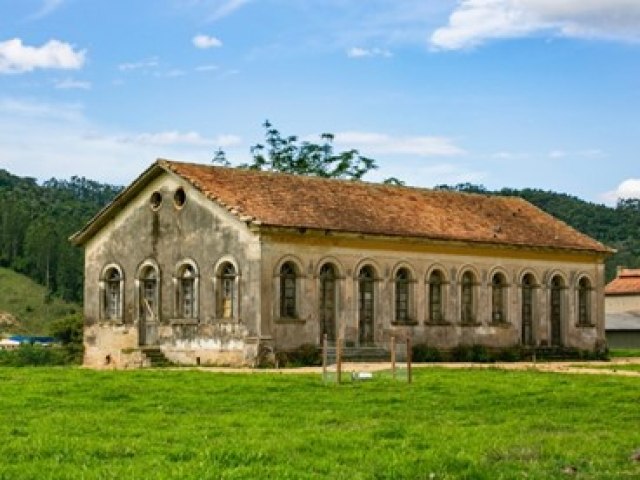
(409, 360)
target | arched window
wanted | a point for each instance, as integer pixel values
(528, 284)
(187, 300)
(556, 311)
(112, 303)
(328, 302)
(436, 304)
(148, 293)
(584, 301)
(288, 274)
(366, 292)
(498, 291)
(402, 284)
(227, 296)
(467, 311)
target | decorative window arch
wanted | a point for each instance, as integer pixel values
(112, 286)
(403, 300)
(467, 298)
(288, 290)
(584, 301)
(227, 279)
(436, 296)
(498, 298)
(148, 284)
(187, 283)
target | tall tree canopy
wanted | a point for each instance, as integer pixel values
(289, 154)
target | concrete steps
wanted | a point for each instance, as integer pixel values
(155, 357)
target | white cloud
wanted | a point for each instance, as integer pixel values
(474, 22)
(588, 153)
(206, 41)
(18, 58)
(206, 68)
(48, 6)
(142, 64)
(45, 140)
(175, 72)
(178, 138)
(69, 83)
(12, 108)
(381, 144)
(450, 174)
(629, 188)
(357, 52)
(225, 8)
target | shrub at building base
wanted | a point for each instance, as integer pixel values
(307, 355)
(69, 332)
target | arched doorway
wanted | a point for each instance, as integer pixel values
(557, 291)
(528, 284)
(328, 302)
(366, 294)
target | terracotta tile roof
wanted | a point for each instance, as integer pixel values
(281, 200)
(626, 283)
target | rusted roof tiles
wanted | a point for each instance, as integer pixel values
(626, 283)
(309, 202)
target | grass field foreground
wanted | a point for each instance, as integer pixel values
(462, 424)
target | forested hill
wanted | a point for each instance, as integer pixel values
(36, 221)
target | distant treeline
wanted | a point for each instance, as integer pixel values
(37, 220)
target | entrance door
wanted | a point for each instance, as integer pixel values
(328, 302)
(527, 310)
(366, 298)
(556, 311)
(148, 325)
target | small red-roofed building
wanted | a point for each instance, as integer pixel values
(213, 265)
(622, 309)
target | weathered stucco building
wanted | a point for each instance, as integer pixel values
(214, 265)
(622, 309)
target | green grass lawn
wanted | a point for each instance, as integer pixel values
(625, 352)
(462, 424)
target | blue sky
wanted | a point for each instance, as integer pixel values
(516, 93)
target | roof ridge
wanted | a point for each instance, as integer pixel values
(344, 181)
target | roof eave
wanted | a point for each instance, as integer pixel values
(265, 227)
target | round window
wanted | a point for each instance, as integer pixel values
(179, 197)
(156, 200)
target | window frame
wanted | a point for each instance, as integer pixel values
(181, 283)
(499, 298)
(584, 302)
(227, 278)
(288, 307)
(468, 307)
(436, 315)
(109, 289)
(403, 287)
